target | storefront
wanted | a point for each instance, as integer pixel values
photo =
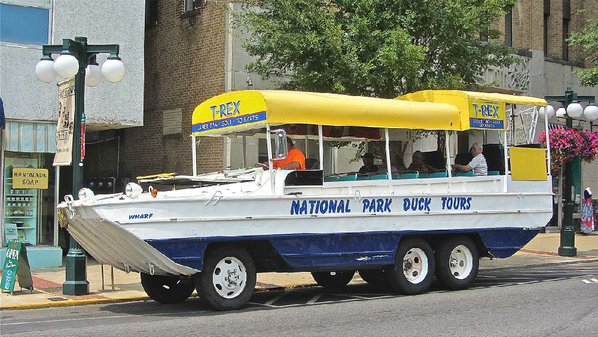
(29, 191)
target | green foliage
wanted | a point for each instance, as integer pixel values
(379, 48)
(587, 40)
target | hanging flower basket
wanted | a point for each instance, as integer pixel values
(568, 144)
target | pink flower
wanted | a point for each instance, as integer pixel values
(568, 144)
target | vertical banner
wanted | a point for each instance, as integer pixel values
(64, 129)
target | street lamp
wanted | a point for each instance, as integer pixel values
(570, 110)
(77, 58)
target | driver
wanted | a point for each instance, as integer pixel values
(295, 159)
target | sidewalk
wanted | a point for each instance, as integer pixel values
(542, 250)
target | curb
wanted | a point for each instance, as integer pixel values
(544, 264)
(72, 303)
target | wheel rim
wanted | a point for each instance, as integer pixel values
(461, 262)
(229, 277)
(415, 265)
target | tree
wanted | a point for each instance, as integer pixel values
(587, 40)
(379, 48)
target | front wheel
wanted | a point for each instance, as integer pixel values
(457, 262)
(414, 267)
(228, 278)
(333, 279)
(167, 289)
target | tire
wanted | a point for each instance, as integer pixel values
(414, 267)
(457, 263)
(167, 289)
(228, 278)
(333, 279)
(374, 277)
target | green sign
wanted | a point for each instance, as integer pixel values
(16, 265)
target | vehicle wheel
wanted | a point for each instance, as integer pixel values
(333, 279)
(228, 278)
(457, 262)
(167, 289)
(375, 277)
(414, 267)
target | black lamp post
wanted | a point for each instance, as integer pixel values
(573, 110)
(75, 57)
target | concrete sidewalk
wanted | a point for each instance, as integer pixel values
(542, 250)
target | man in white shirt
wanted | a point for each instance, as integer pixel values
(477, 164)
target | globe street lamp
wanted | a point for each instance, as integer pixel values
(78, 59)
(570, 110)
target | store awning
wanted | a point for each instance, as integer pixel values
(24, 136)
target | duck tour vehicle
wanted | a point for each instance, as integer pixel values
(397, 228)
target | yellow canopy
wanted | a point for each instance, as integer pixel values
(242, 110)
(478, 110)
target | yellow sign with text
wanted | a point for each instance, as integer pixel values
(485, 115)
(30, 178)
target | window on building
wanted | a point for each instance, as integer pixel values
(191, 5)
(151, 13)
(565, 33)
(25, 24)
(545, 26)
(509, 28)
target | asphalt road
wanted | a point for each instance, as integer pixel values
(543, 301)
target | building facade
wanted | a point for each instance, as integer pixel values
(30, 106)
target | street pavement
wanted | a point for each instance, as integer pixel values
(110, 285)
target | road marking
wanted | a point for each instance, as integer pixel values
(590, 281)
(314, 299)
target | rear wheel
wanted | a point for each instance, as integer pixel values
(228, 278)
(457, 262)
(333, 279)
(414, 267)
(167, 289)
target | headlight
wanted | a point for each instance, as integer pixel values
(133, 190)
(85, 194)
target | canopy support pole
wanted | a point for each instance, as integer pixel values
(387, 145)
(270, 164)
(506, 159)
(546, 132)
(447, 152)
(194, 154)
(321, 146)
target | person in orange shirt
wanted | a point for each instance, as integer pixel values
(295, 159)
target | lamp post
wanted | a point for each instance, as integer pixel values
(78, 59)
(571, 110)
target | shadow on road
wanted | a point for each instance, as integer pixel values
(360, 291)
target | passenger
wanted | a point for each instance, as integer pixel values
(295, 159)
(477, 164)
(393, 168)
(418, 163)
(368, 164)
(400, 163)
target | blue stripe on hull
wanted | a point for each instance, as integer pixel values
(338, 251)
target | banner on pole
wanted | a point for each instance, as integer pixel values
(66, 123)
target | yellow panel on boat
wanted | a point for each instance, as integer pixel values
(478, 110)
(242, 110)
(528, 163)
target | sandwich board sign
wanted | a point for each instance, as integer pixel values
(16, 265)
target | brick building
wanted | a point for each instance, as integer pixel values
(190, 55)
